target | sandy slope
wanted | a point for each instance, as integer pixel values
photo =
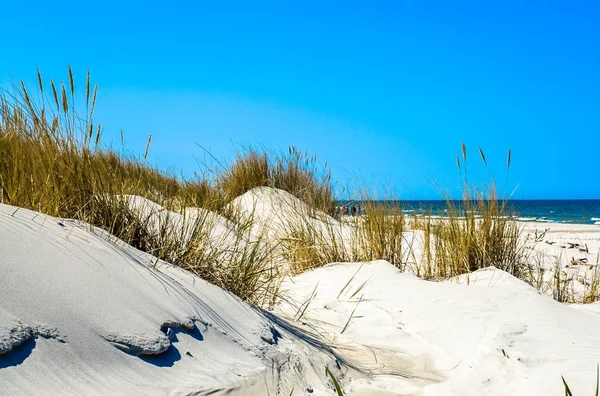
(187, 224)
(495, 336)
(81, 313)
(94, 317)
(276, 212)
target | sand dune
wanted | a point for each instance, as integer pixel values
(495, 336)
(82, 313)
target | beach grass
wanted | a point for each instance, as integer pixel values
(294, 171)
(53, 160)
(380, 232)
(477, 231)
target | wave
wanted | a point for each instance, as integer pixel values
(595, 219)
(542, 219)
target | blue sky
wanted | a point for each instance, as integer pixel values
(383, 91)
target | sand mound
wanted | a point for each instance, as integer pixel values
(81, 315)
(276, 213)
(192, 222)
(488, 333)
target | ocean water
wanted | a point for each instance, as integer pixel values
(551, 211)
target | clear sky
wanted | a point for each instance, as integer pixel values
(382, 91)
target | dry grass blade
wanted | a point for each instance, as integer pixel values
(349, 282)
(352, 314)
(65, 103)
(360, 288)
(567, 390)
(94, 99)
(54, 94)
(304, 306)
(147, 147)
(40, 83)
(71, 82)
(87, 89)
(482, 156)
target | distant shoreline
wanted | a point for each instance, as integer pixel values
(573, 211)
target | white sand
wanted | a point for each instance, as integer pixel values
(217, 228)
(82, 315)
(496, 336)
(89, 313)
(275, 212)
(570, 250)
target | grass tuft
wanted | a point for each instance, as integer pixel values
(50, 163)
(478, 231)
(295, 172)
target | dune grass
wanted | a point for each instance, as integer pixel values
(311, 243)
(477, 231)
(52, 160)
(295, 172)
(380, 233)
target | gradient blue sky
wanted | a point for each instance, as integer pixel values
(382, 91)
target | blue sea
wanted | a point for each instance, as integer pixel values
(585, 211)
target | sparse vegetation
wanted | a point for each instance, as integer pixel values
(377, 234)
(380, 233)
(311, 241)
(478, 231)
(52, 160)
(295, 172)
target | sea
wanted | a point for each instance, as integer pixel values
(580, 211)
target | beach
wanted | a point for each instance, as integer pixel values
(84, 313)
(300, 199)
